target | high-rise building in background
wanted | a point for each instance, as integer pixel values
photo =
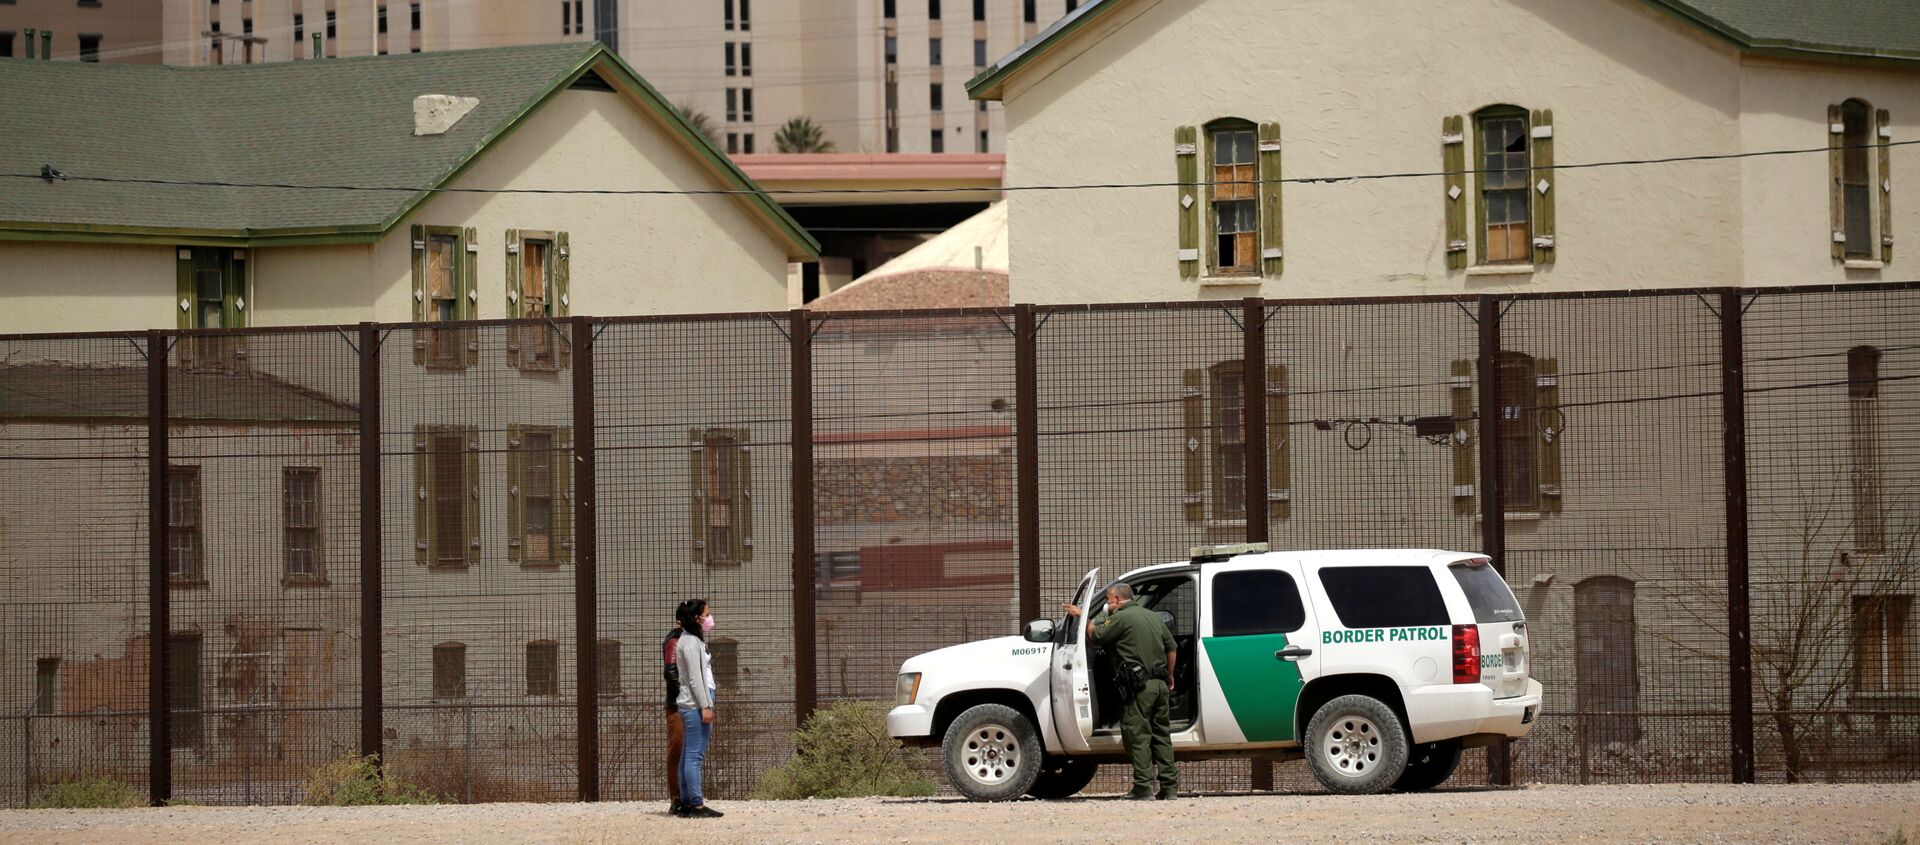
(874, 75)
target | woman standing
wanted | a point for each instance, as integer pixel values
(697, 691)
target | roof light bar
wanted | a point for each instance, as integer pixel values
(1209, 554)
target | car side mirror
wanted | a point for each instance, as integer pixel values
(1039, 631)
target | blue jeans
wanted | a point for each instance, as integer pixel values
(699, 735)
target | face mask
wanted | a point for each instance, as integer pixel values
(706, 624)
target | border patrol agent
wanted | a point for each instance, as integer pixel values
(1139, 642)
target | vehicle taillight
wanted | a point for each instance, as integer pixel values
(1466, 654)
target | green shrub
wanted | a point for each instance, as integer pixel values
(87, 793)
(359, 781)
(844, 752)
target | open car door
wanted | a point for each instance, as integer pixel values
(1070, 679)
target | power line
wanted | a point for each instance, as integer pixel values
(1088, 186)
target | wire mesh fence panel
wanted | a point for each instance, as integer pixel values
(1610, 439)
(73, 609)
(914, 492)
(263, 501)
(692, 435)
(477, 581)
(1834, 457)
(1142, 456)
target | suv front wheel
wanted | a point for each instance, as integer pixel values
(992, 753)
(1355, 745)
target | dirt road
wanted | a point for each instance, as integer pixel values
(1684, 813)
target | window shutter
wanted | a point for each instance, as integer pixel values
(562, 299)
(514, 290)
(1836, 167)
(422, 496)
(1271, 262)
(471, 513)
(696, 495)
(1186, 155)
(469, 307)
(1546, 186)
(184, 304)
(562, 464)
(1883, 135)
(1193, 412)
(743, 500)
(1552, 423)
(234, 290)
(1461, 385)
(1279, 445)
(1453, 157)
(516, 500)
(420, 336)
(1479, 194)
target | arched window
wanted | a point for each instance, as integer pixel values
(1233, 207)
(1856, 180)
(1606, 661)
(1504, 157)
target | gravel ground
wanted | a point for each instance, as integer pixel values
(1670, 813)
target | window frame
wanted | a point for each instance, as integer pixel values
(538, 347)
(317, 573)
(559, 545)
(1622, 686)
(1247, 183)
(733, 498)
(1855, 155)
(90, 46)
(1225, 438)
(448, 659)
(1517, 430)
(542, 668)
(1882, 624)
(445, 349)
(46, 686)
(193, 573)
(189, 723)
(428, 505)
(1482, 119)
(1865, 462)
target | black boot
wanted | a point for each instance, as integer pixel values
(675, 808)
(1167, 793)
(1140, 793)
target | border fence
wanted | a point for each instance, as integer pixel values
(234, 556)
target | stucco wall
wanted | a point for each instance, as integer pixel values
(60, 287)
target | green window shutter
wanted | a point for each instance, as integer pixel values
(513, 298)
(743, 500)
(1186, 154)
(1479, 193)
(1552, 425)
(1453, 157)
(420, 293)
(1836, 168)
(1546, 186)
(472, 510)
(422, 496)
(1193, 412)
(183, 304)
(562, 296)
(469, 307)
(1883, 135)
(1279, 445)
(697, 495)
(562, 495)
(1271, 262)
(234, 289)
(516, 499)
(1461, 386)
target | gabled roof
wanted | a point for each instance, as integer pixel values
(314, 122)
(1884, 30)
(58, 391)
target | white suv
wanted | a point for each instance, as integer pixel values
(1377, 666)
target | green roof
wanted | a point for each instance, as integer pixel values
(311, 122)
(1809, 29)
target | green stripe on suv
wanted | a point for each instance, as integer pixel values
(1262, 690)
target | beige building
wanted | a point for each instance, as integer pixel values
(81, 30)
(1490, 85)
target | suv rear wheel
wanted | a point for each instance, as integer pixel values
(1429, 766)
(991, 753)
(1061, 778)
(1355, 745)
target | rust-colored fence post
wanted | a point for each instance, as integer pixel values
(159, 737)
(1733, 414)
(1253, 418)
(586, 565)
(372, 705)
(1493, 504)
(1026, 458)
(805, 570)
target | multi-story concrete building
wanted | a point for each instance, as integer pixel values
(81, 30)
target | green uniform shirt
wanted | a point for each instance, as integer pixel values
(1136, 635)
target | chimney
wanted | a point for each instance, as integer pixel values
(316, 45)
(46, 44)
(30, 32)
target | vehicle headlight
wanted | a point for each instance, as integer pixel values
(908, 688)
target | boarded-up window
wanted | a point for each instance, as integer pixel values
(1606, 660)
(537, 271)
(722, 497)
(607, 664)
(1883, 660)
(1863, 435)
(1518, 432)
(300, 493)
(184, 546)
(183, 690)
(1505, 209)
(1227, 406)
(443, 291)
(1856, 189)
(443, 299)
(450, 494)
(450, 670)
(46, 686)
(1235, 209)
(539, 496)
(543, 667)
(726, 663)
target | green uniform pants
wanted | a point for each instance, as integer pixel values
(1145, 730)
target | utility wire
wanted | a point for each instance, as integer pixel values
(1088, 186)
